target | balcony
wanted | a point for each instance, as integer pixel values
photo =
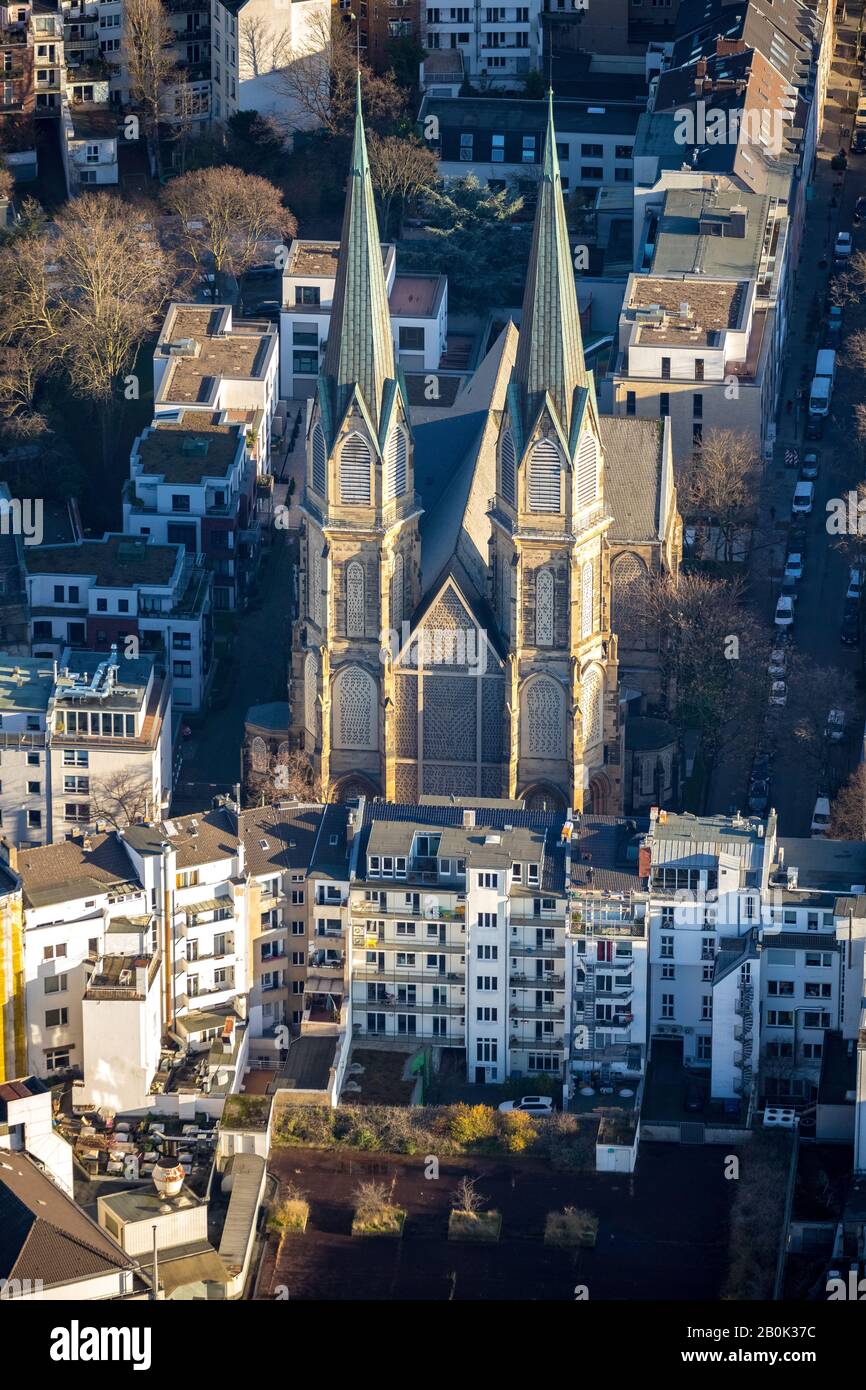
(549, 952)
(546, 981)
(549, 1011)
(537, 1044)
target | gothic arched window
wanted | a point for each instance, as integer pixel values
(354, 709)
(355, 599)
(544, 709)
(543, 608)
(545, 478)
(587, 470)
(355, 472)
(591, 704)
(314, 579)
(397, 592)
(320, 461)
(395, 465)
(586, 600)
(507, 467)
(311, 674)
(628, 572)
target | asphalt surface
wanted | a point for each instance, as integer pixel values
(795, 782)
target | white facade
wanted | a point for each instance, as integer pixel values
(28, 1126)
(500, 43)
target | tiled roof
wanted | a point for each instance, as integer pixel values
(44, 1234)
(279, 837)
(65, 870)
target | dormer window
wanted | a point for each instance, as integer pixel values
(445, 867)
(516, 873)
(532, 873)
(375, 866)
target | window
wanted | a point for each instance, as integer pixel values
(497, 149)
(56, 984)
(34, 820)
(411, 339)
(698, 406)
(307, 294)
(667, 1006)
(819, 958)
(305, 363)
(816, 1018)
(488, 919)
(486, 1050)
(34, 788)
(667, 947)
(396, 454)
(182, 669)
(699, 369)
(667, 971)
(467, 142)
(591, 173)
(486, 1013)
(664, 404)
(488, 881)
(780, 1018)
(705, 1047)
(592, 152)
(528, 150)
(623, 151)
(56, 1018)
(487, 983)
(180, 502)
(487, 952)
(780, 987)
(57, 1059)
(630, 402)
(666, 369)
(706, 1006)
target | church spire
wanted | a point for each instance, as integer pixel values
(550, 351)
(360, 349)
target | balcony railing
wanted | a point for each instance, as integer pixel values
(547, 981)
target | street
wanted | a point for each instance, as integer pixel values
(821, 591)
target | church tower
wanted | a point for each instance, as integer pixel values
(549, 557)
(360, 561)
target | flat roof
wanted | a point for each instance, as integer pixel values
(187, 450)
(416, 296)
(25, 683)
(713, 306)
(117, 561)
(144, 1203)
(686, 244)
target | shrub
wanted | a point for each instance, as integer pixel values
(570, 1227)
(471, 1124)
(375, 1213)
(292, 1214)
(517, 1132)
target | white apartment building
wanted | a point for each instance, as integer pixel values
(27, 1126)
(74, 733)
(129, 592)
(499, 43)
(418, 307)
(203, 362)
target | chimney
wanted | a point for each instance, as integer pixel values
(468, 819)
(8, 853)
(645, 857)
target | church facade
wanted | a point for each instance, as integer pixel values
(455, 631)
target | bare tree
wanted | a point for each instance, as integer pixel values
(400, 169)
(812, 692)
(7, 182)
(151, 64)
(713, 655)
(848, 808)
(320, 80)
(855, 350)
(467, 1198)
(718, 486)
(845, 289)
(225, 215)
(289, 776)
(121, 798)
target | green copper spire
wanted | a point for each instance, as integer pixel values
(360, 349)
(550, 351)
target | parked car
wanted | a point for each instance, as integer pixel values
(778, 663)
(834, 319)
(843, 246)
(820, 818)
(778, 693)
(860, 209)
(533, 1105)
(268, 309)
(784, 611)
(855, 584)
(858, 142)
(835, 730)
(850, 632)
(797, 537)
(809, 469)
(794, 566)
(261, 272)
(804, 496)
(815, 427)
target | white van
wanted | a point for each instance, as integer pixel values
(819, 395)
(804, 496)
(821, 818)
(825, 363)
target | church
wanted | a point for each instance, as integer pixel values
(457, 629)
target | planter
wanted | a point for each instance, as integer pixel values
(388, 1223)
(481, 1225)
(570, 1229)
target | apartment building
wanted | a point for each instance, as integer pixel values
(204, 362)
(13, 1038)
(418, 306)
(76, 735)
(95, 594)
(498, 43)
(502, 141)
(704, 321)
(193, 483)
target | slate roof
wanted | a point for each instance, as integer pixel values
(633, 459)
(44, 1234)
(360, 349)
(550, 350)
(279, 837)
